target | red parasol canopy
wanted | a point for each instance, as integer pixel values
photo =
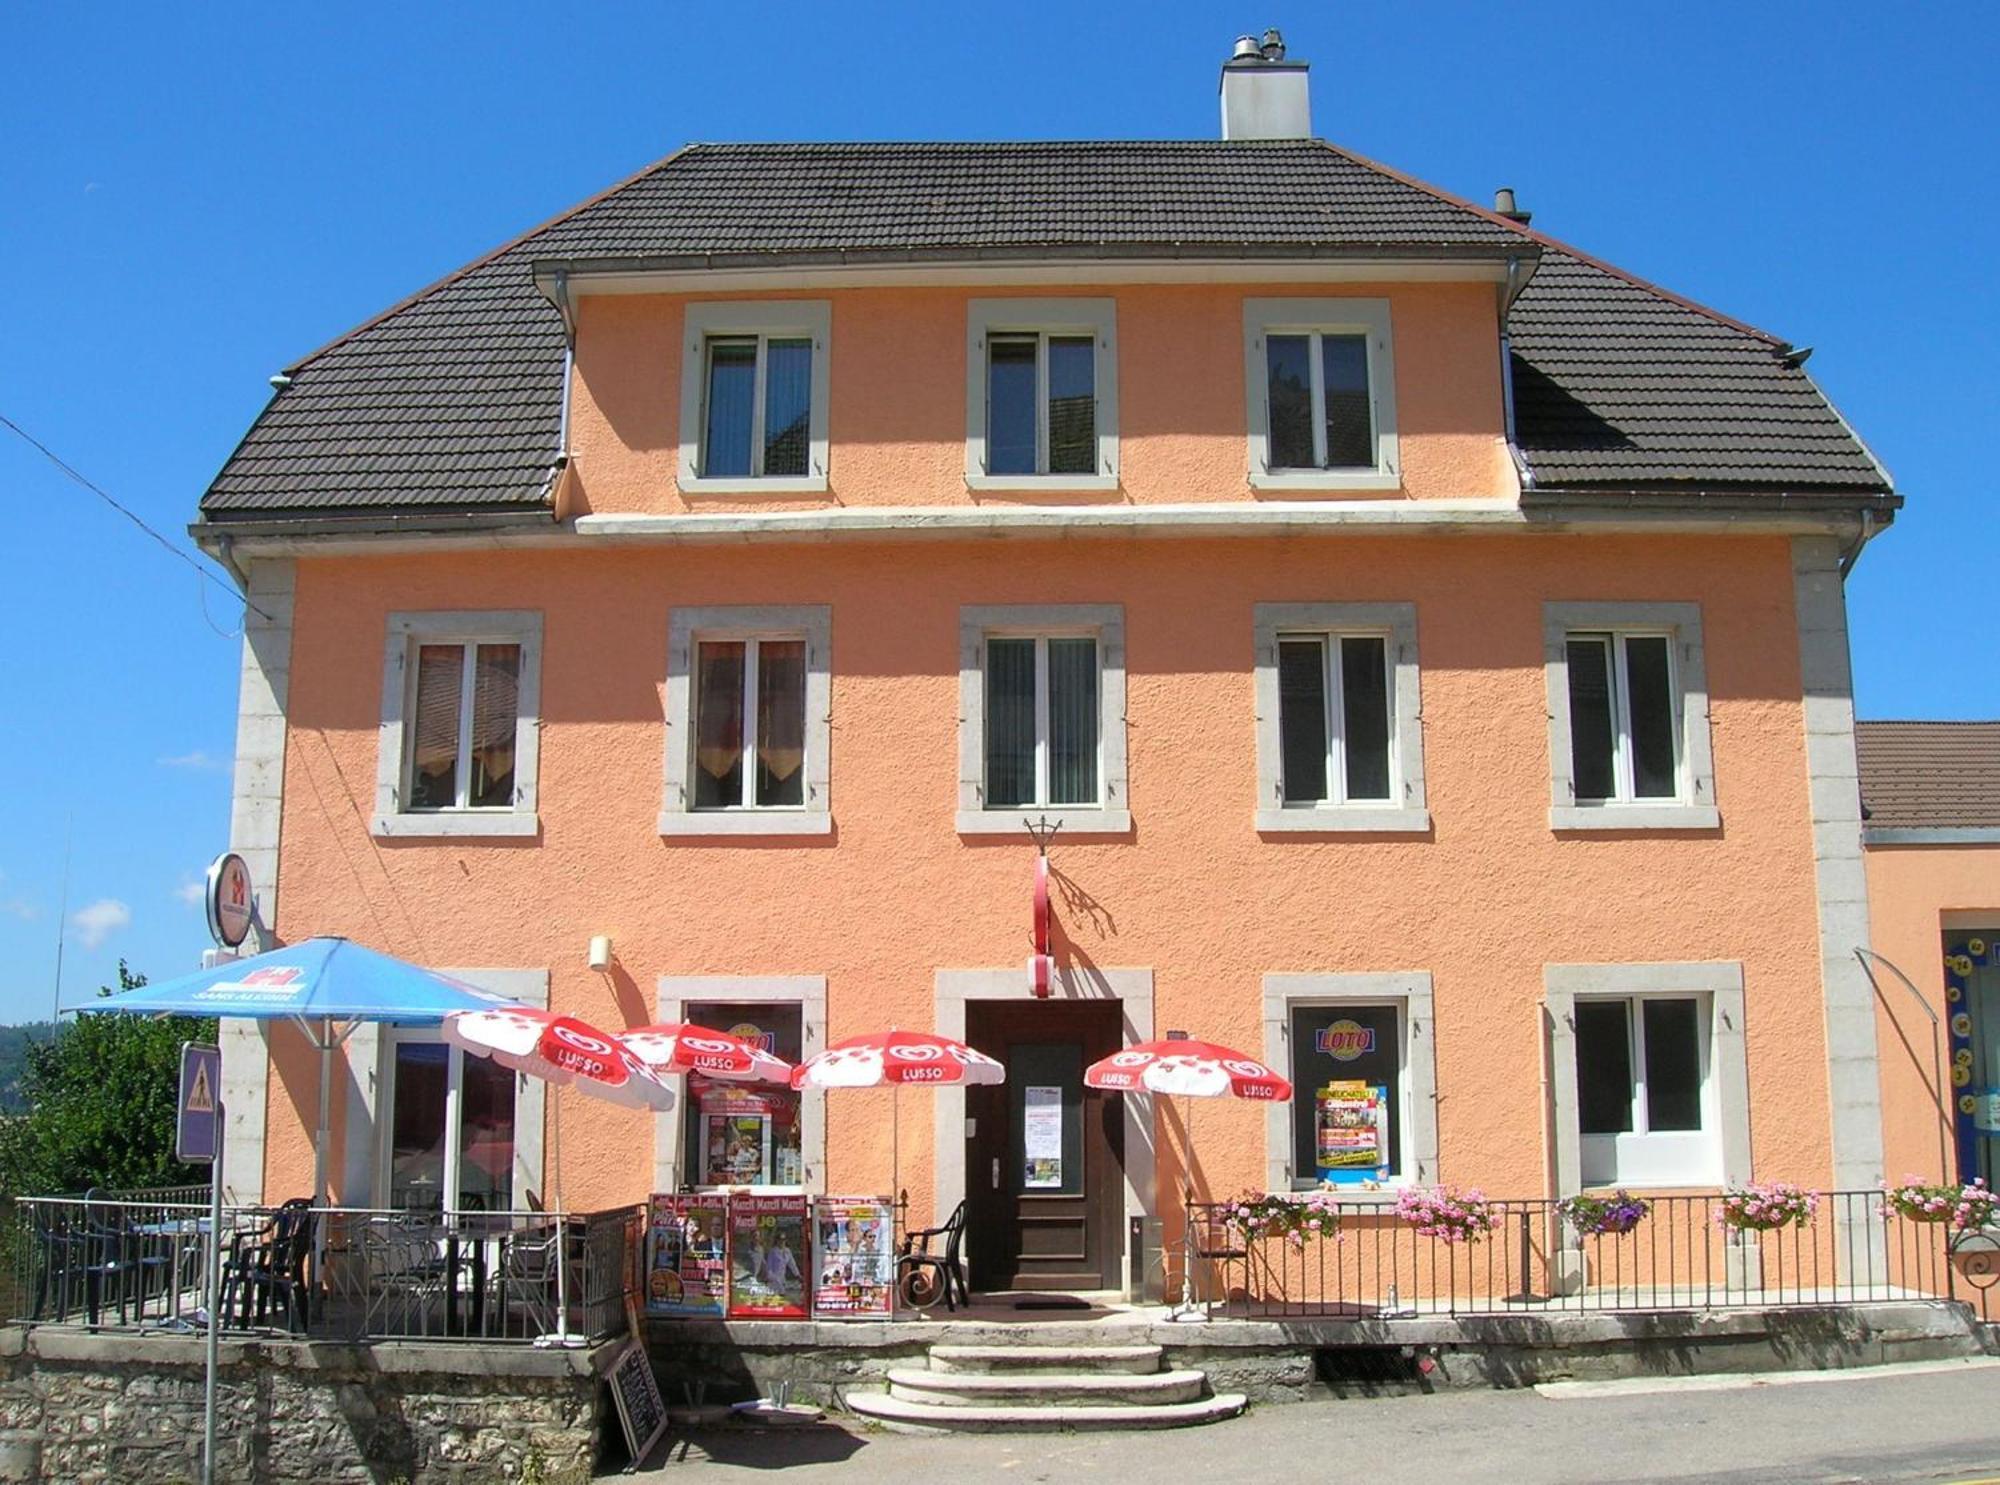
(678, 1047)
(886, 1057)
(1189, 1069)
(560, 1050)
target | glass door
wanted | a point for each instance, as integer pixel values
(450, 1128)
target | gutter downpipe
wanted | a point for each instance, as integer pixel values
(566, 307)
(1516, 281)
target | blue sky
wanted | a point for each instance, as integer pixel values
(191, 197)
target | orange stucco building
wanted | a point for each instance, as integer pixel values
(1419, 647)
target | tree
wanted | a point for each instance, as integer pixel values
(100, 1099)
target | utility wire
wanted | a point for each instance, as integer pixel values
(99, 491)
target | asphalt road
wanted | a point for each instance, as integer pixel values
(1892, 1424)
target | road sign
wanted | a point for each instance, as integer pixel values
(230, 905)
(198, 1129)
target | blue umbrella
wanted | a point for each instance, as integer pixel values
(315, 984)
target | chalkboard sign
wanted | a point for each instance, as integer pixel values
(637, 1393)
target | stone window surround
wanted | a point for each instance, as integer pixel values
(1107, 621)
(674, 993)
(1412, 988)
(1133, 990)
(1720, 980)
(1698, 810)
(1099, 317)
(462, 626)
(814, 622)
(781, 318)
(365, 1151)
(1335, 314)
(1397, 622)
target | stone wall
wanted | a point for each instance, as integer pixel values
(87, 1407)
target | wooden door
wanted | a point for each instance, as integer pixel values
(1045, 1156)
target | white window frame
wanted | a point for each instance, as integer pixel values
(687, 627)
(788, 319)
(1333, 315)
(1106, 624)
(408, 632)
(1411, 993)
(1642, 1156)
(673, 995)
(1696, 808)
(1097, 318)
(1405, 810)
(1720, 1154)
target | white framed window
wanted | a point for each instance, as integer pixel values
(1339, 730)
(1337, 1036)
(1041, 406)
(1628, 717)
(460, 740)
(449, 1134)
(1649, 1074)
(754, 388)
(1320, 382)
(1042, 718)
(747, 739)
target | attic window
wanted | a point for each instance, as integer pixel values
(754, 382)
(1321, 394)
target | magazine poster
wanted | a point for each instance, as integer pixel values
(735, 1135)
(768, 1257)
(1353, 1131)
(685, 1269)
(854, 1256)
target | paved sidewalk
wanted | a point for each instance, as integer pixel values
(1892, 1424)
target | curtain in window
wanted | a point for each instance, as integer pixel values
(787, 406)
(781, 722)
(1649, 680)
(1289, 360)
(1073, 721)
(732, 391)
(1072, 405)
(434, 728)
(1364, 703)
(496, 681)
(1010, 721)
(1011, 414)
(1302, 719)
(718, 725)
(1591, 730)
(1350, 423)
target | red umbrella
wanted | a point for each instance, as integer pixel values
(1187, 1068)
(560, 1050)
(678, 1047)
(894, 1058)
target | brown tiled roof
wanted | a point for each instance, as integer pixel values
(450, 403)
(1929, 775)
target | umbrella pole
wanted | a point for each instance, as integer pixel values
(562, 1228)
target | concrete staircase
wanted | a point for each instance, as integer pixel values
(1025, 1389)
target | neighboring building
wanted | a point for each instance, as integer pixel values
(1930, 795)
(1428, 639)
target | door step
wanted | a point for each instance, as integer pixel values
(1025, 1389)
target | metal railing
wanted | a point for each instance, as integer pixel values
(1531, 1260)
(326, 1273)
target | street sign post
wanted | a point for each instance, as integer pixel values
(198, 1138)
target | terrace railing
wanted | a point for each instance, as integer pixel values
(330, 1273)
(1678, 1256)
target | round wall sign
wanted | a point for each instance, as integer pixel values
(229, 900)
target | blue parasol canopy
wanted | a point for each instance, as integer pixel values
(322, 979)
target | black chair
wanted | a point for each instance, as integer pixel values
(924, 1277)
(267, 1267)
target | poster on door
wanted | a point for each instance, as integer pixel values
(1042, 1139)
(854, 1258)
(768, 1257)
(1352, 1124)
(686, 1273)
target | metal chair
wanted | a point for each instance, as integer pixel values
(527, 1273)
(406, 1276)
(924, 1277)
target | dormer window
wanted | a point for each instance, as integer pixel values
(754, 398)
(1041, 409)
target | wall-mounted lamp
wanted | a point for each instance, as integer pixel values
(600, 951)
